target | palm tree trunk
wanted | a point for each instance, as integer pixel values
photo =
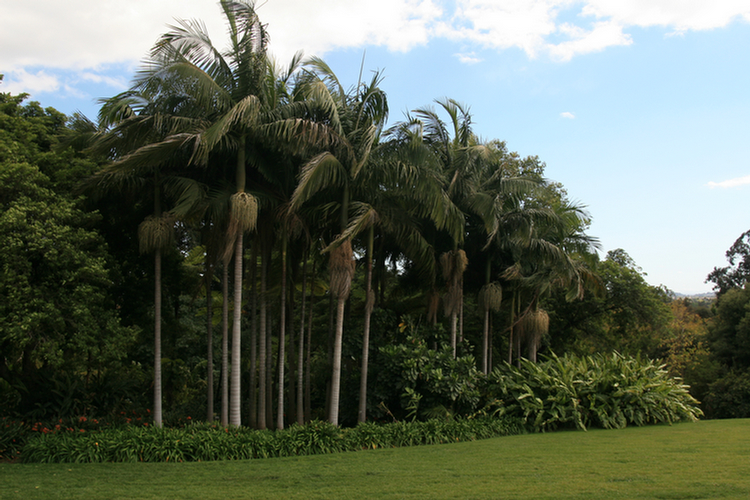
(490, 343)
(282, 334)
(157, 339)
(369, 303)
(262, 340)
(485, 339)
(234, 400)
(253, 404)
(269, 379)
(308, 353)
(301, 347)
(210, 353)
(454, 324)
(225, 346)
(333, 410)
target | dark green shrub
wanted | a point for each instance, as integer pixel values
(432, 383)
(729, 397)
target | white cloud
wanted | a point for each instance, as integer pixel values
(469, 58)
(739, 181)
(680, 15)
(88, 34)
(22, 81)
(568, 115)
(501, 25)
(603, 35)
(115, 82)
(318, 27)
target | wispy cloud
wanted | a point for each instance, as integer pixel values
(468, 58)
(23, 81)
(739, 181)
(114, 82)
(568, 115)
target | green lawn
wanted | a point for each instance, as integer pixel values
(709, 459)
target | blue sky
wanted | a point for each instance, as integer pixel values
(640, 108)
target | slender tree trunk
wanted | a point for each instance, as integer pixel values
(369, 303)
(329, 348)
(485, 339)
(301, 347)
(291, 362)
(225, 346)
(210, 353)
(333, 410)
(454, 324)
(253, 403)
(157, 339)
(262, 340)
(461, 317)
(490, 343)
(235, 393)
(269, 380)
(308, 381)
(282, 334)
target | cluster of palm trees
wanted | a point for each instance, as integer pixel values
(272, 165)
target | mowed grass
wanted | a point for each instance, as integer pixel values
(709, 459)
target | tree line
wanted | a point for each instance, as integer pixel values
(250, 241)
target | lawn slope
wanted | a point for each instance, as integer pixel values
(708, 459)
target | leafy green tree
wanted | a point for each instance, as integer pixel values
(738, 272)
(730, 330)
(55, 312)
(628, 315)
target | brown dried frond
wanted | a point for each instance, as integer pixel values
(341, 265)
(454, 265)
(243, 211)
(156, 233)
(536, 323)
(491, 296)
(460, 262)
(513, 272)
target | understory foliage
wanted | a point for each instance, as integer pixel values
(432, 382)
(205, 442)
(610, 392)
(561, 392)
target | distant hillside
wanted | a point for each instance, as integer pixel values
(697, 297)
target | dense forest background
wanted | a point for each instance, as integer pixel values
(238, 241)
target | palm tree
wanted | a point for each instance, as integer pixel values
(386, 203)
(556, 253)
(354, 122)
(229, 86)
(147, 131)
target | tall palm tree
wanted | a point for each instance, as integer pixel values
(145, 133)
(229, 86)
(385, 203)
(354, 122)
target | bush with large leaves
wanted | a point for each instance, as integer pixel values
(602, 391)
